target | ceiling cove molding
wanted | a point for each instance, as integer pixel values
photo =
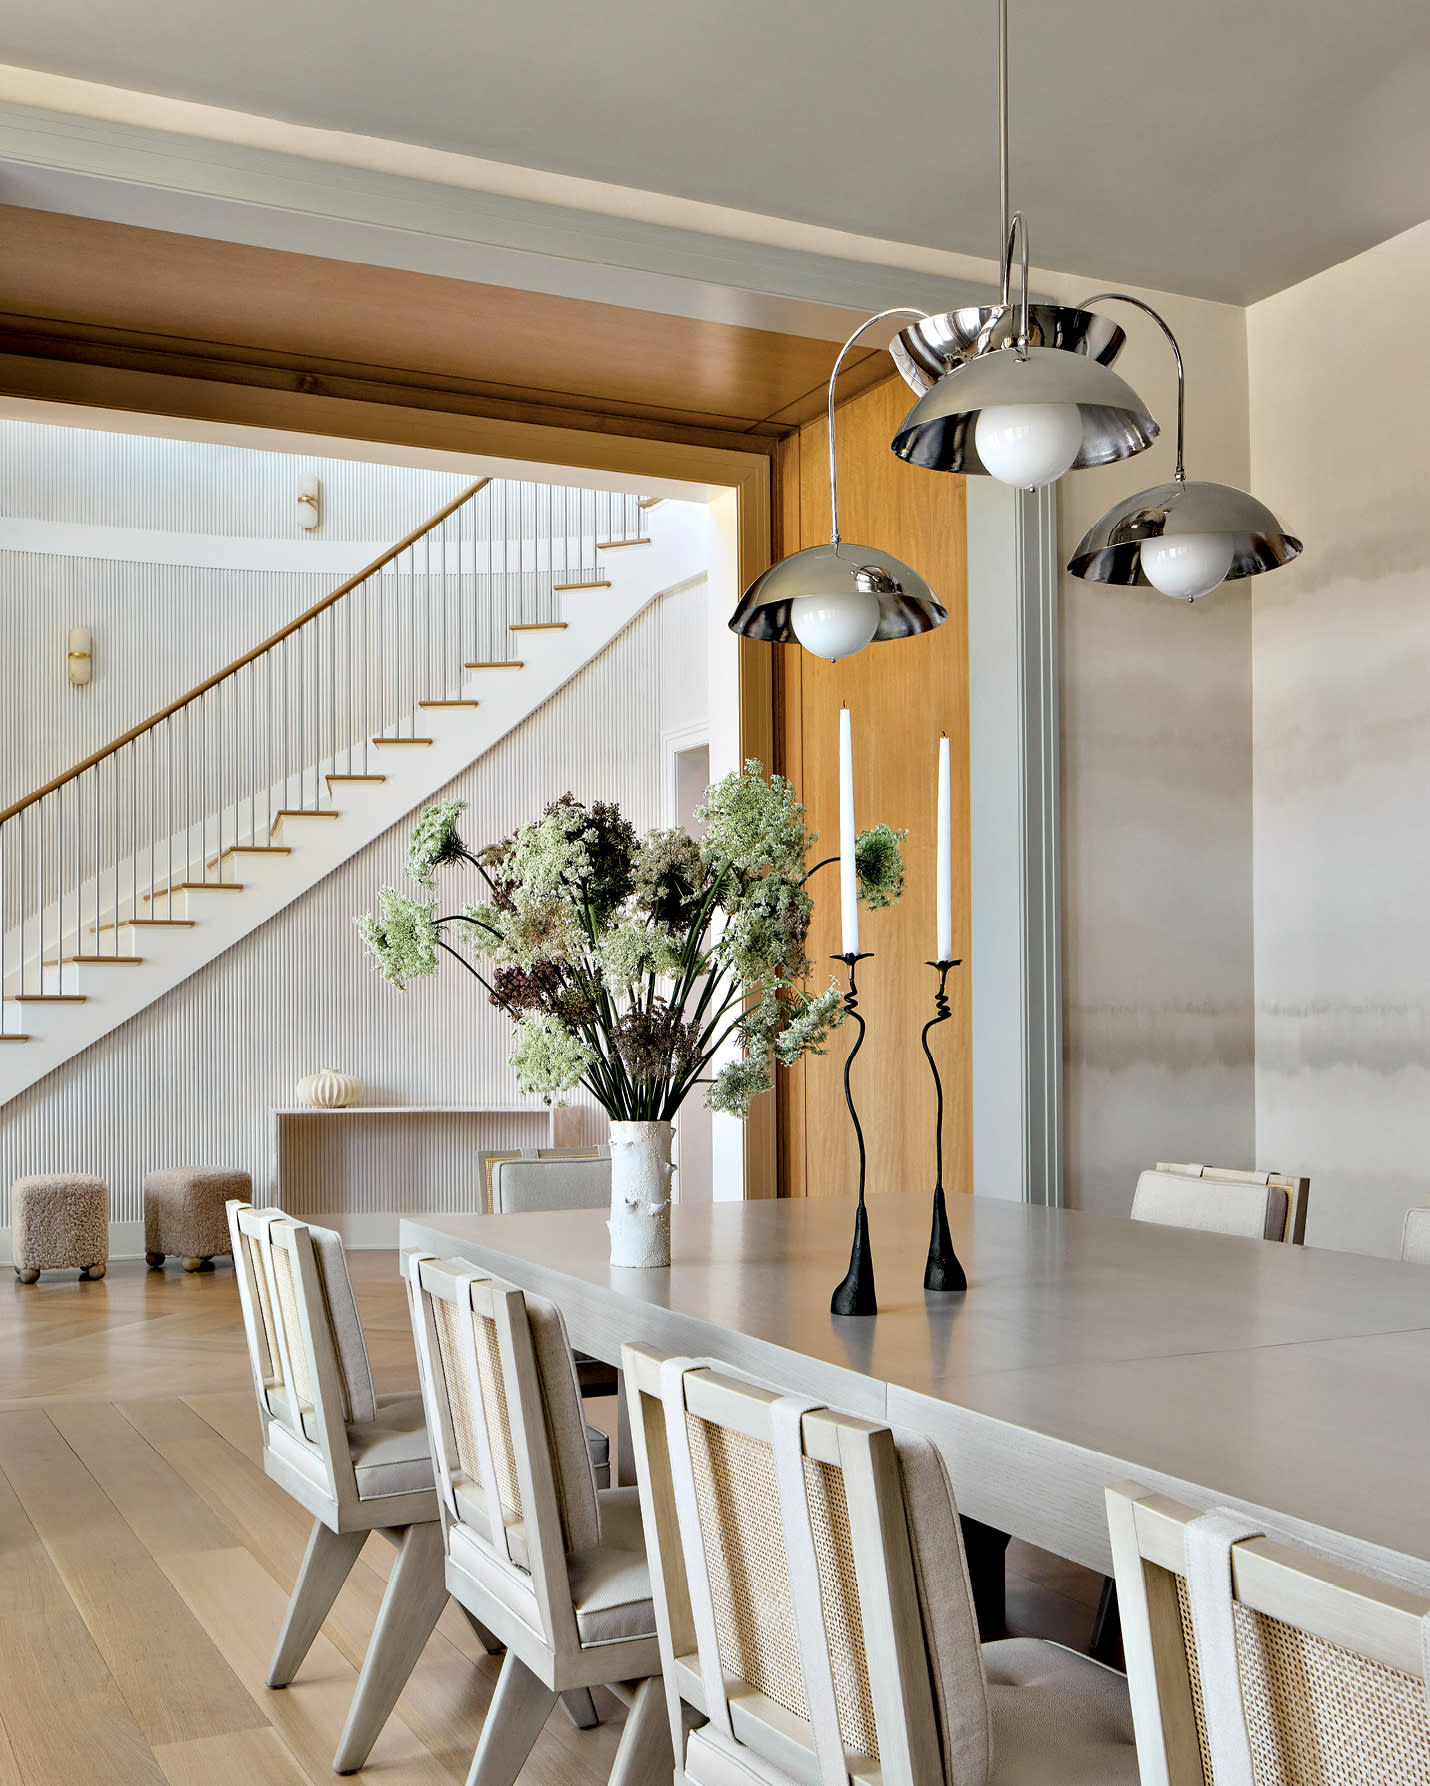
(78, 147)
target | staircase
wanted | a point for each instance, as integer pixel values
(144, 862)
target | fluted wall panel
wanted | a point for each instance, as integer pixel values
(131, 480)
(193, 1078)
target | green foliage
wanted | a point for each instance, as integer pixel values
(629, 965)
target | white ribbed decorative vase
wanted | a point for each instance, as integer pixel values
(640, 1193)
(330, 1090)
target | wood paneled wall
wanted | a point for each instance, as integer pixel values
(902, 696)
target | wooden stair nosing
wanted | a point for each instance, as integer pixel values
(383, 741)
(302, 812)
(150, 923)
(557, 588)
(510, 663)
(426, 704)
(615, 545)
(47, 998)
(332, 778)
(538, 626)
(14, 1038)
(102, 960)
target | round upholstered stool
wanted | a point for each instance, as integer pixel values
(184, 1213)
(59, 1220)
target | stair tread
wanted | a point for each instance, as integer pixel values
(449, 703)
(155, 923)
(121, 960)
(46, 998)
(14, 1038)
(304, 812)
(402, 740)
(603, 583)
(332, 778)
(538, 626)
(509, 663)
(614, 545)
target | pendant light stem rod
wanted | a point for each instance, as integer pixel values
(1122, 297)
(868, 323)
(1004, 216)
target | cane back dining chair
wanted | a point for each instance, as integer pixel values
(1224, 1200)
(1254, 1664)
(554, 1568)
(813, 1606)
(357, 1461)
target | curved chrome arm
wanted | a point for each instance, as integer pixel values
(868, 323)
(1017, 229)
(1123, 297)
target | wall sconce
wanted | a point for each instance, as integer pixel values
(310, 493)
(79, 655)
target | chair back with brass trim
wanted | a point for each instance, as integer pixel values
(1329, 1668)
(788, 1591)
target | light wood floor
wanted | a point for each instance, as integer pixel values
(145, 1560)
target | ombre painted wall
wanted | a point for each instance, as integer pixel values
(1341, 669)
(1157, 816)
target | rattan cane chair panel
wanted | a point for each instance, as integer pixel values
(742, 1528)
(1318, 1714)
(292, 1328)
(463, 1393)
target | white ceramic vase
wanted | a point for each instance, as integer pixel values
(640, 1193)
(329, 1090)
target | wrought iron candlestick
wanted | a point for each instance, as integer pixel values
(943, 1270)
(855, 1296)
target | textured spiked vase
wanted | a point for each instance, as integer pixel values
(640, 1193)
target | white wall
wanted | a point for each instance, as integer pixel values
(1341, 664)
(192, 1078)
(1156, 775)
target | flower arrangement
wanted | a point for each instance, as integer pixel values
(628, 964)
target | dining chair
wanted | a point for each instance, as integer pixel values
(813, 1606)
(1224, 1200)
(552, 1566)
(1415, 1237)
(488, 1162)
(1254, 1664)
(359, 1462)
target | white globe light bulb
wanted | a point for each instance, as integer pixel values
(1028, 444)
(835, 625)
(1186, 565)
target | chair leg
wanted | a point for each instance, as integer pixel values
(327, 1563)
(516, 1717)
(1105, 1644)
(489, 1640)
(644, 1757)
(580, 1708)
(416, 1593)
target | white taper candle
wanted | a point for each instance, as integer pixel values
(848, 880)
(945, 858)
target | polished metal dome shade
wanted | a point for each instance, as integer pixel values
(906, 603)
(938, 431)
(1111, 551)
(925, 350)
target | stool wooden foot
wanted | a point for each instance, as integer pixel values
(155, 1261)
(193, 1264)
(27, 1274)
(94, 1271)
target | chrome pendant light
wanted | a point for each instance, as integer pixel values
(836, 599)
(1182, 538)
(1024, 395)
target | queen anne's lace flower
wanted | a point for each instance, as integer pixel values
(402, 939)
(630, 950)
(738, 1084)
(879, 866)
(756, 825)
(435, 841)
(810, 1026)
(548, 1058)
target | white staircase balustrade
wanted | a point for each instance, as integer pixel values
(121, 878)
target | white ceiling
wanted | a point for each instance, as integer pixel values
(1223, 148)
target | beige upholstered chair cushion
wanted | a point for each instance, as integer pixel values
(519, 1186)
(1256, 1211)
(1059, 1718)
(610, 1584)
(1415, 1241)
(391, 1453)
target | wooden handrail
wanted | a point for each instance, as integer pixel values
(248, 657)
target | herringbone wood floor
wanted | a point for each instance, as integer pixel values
(145, 1560)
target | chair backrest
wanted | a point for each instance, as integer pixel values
(311, 1373)
(514, 1478)
(519, 1186)
(1415, 1240)
(810, 1586)
(1251, 1652)
(488, 1162)
(1224, 1200)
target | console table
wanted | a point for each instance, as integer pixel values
(362, 1168)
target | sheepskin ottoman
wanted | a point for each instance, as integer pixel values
(59, 1220)
(184, 1213)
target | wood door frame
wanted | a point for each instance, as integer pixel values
(743, 473)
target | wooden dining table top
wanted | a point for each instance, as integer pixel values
(1289, 1381)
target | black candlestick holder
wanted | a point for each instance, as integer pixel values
(943, 1270)
(855, 1296)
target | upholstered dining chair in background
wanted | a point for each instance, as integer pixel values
(1223, 1200)
(359, 1462)
(1249, 1661)
(1415, 1237)
(489, 1163)
(554, 1568)
(813, 1606)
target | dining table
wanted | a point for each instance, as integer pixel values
(1288, 1382)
